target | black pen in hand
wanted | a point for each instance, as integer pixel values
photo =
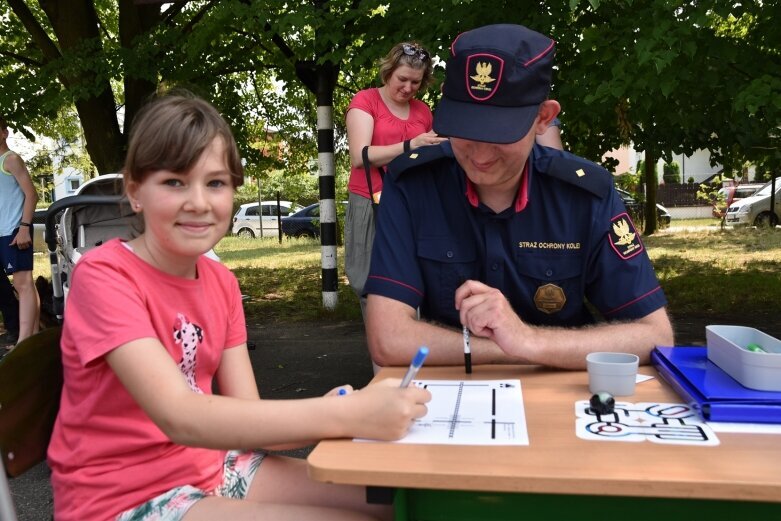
(467, 352)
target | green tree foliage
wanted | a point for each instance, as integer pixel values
(667, 75)
(670, 77)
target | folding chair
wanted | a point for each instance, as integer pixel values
(7, 510)
(30, 387)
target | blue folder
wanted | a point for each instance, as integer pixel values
(712, 392)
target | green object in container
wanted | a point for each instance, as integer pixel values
(755, 348)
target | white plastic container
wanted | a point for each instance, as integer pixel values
(614, 373)
(755, 370)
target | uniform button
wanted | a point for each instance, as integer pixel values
(549, 273)
(449, 255)
(494, 266)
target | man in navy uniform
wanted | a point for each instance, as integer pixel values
(521, 243)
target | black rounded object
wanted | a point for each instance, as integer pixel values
(602, 403)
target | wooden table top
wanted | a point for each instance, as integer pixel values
(742, 467)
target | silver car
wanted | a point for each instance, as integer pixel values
(755, 210)
(246, 222)
(39, 230)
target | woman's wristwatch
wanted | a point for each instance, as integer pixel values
(25, 224)
(407, 146)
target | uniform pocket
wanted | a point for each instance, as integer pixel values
(555, 282)
(446, 262)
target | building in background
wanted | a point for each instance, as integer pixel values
(66, 182)
(696, 167)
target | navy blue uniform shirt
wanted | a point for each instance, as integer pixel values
(567, 240)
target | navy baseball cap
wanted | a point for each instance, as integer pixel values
(496, 79)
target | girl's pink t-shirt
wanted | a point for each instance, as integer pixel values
(388, 130)
(106, 454)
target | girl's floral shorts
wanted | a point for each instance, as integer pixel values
(239, 469)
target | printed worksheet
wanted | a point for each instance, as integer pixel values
(666, 423)
(475, 412)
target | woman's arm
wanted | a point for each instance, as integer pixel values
(360, 128)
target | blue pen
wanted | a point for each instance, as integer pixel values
(414, 367)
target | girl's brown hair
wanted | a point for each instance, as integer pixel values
(400, 55)
(171, 132)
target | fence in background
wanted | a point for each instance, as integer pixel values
(681, 201)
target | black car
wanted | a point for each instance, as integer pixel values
(305, 222)
(635, 209)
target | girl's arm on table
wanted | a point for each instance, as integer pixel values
(152, 378)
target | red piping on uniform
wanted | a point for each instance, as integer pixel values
(523, 193)
(641, 297)
(453, 45)
(416, 290)
(521, 200)
(543, 53)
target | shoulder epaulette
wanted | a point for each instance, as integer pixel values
(417, 157)
(584, 174)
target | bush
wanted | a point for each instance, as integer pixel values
(672, 173)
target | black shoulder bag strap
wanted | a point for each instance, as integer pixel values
(368, 168)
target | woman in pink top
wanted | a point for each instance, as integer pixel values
(152, 325)
(390, 121)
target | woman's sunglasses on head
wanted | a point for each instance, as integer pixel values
(413, 50)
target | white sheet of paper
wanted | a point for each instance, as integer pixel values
(642, 378)
(471, 412)
(751, 428)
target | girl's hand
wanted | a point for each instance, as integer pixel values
(384, 411)
(425, 139)
(340, 391)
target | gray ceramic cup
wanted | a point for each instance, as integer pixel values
(614, 373)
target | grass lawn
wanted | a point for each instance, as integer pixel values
(703, 271)
(284, 279)
(718, 272)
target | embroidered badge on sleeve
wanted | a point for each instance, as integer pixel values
(624, 238)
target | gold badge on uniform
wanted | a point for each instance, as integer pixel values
(624, 237)
(550, 298)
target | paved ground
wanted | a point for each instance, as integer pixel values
(303, 360)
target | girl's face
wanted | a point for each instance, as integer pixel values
(404, 83)
(185, 214)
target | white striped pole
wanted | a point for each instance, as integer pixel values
(327, 182)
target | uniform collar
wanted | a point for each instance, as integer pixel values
(521, 199)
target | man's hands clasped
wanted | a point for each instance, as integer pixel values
(487, 313)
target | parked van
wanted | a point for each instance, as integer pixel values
(246, 222)
(755, 210)
(733, 194)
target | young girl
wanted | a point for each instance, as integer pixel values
(150, 323)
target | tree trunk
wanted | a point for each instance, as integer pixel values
(75, 24)
(135, 20)
(651, 184)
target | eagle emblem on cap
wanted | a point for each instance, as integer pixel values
(483, 75)
(483, 71)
